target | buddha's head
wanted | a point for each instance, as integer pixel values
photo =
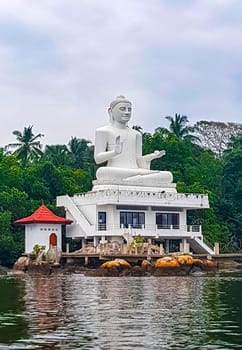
(120, 110)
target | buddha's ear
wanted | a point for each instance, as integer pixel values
(110, 114)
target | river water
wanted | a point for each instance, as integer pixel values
(78, 312)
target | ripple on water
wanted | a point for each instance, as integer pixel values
(77, 312)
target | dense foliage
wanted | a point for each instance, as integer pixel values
(30, 176)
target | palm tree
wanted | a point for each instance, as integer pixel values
(179, 128)
(81, 152)
(58, 155)
(28, 146)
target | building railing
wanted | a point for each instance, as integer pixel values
(102, 227)
(109, 229)
(149, 197)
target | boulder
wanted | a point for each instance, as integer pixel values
(22, 263)
(166, 263)
(146, 264)
(123, 263)
(185, 259)
(53, 255)
(110, 264)
(117, 263)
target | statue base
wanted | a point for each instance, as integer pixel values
(166, 187)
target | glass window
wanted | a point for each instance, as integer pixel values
(102, 221)
(166, 220)
(134, 219)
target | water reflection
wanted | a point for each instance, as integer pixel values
(12, 322)
(77, 312)
(44, 303)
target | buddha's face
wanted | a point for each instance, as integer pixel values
(121, 113)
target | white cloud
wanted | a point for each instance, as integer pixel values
(64, 61)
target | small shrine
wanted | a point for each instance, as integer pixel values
(43, 228)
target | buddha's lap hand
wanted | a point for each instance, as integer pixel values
(159, 154)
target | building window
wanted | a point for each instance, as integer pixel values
(102, 221)
(166, 220)
(133, 219)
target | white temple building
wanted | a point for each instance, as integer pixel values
(129, 199)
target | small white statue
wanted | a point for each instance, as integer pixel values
(121, 147)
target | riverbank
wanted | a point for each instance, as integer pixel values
(132, 266)
(128, 265)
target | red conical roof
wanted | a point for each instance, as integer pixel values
(43, 215)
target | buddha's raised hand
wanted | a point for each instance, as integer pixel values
(118, 145)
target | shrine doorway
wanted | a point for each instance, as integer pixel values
(53, 240)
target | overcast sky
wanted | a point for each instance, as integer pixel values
(63, 61)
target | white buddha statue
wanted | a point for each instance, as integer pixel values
(121, 147)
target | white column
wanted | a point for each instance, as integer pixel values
(161, 249)
(67, 248)
(167, 246)
(216, 248)
(95, 241)
(186, 246)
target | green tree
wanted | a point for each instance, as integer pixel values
(81, 152)
(50, 176)
(58, 155)
(181, 155)
(28, 146)
(195, 170)
(230, 205)
(74, 181)
(179, 127)
(35, 184)
(15, 201)
(9, 250)
(10, 172)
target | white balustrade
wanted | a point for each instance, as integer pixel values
(185, 200)
(153, 230)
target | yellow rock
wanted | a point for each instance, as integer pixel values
(116, 263)
(123, 263)
(210, 263)
(166, 263)
(110, 264)
(166, 258)
(145, 263)
(198, 262)
(185, 260)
